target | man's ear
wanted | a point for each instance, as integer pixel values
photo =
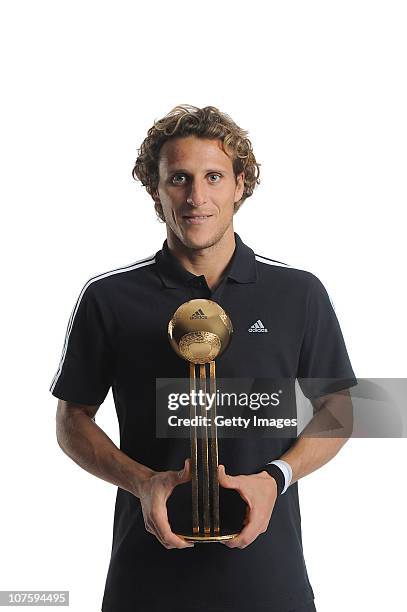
(239, 186)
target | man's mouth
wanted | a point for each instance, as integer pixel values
(196, 219)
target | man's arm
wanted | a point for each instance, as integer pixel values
(317, 443)
(315, 446)
(88, 445)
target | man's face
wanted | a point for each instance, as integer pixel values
(196, 178)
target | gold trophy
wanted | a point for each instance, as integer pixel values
(199, 331)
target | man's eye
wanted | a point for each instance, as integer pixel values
(180, 179)
(175, 179)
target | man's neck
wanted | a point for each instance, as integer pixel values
(211, 261)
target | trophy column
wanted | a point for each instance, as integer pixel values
(208, 456)
(199, 331)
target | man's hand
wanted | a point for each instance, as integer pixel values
(154, 493)
(259, 491)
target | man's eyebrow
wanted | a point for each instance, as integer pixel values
(175, 170)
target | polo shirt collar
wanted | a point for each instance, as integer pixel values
(242, 266)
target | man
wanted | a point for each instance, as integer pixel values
(199, 167)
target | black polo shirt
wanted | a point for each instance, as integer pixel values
(117, 337)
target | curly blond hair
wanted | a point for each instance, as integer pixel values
(208, 122)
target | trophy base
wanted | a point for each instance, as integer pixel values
(207, 539)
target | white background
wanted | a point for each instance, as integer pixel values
(321, 88)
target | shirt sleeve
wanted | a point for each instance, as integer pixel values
(86, 368)
(324, 365)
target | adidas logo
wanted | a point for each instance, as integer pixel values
(199, 314)
(258, 327)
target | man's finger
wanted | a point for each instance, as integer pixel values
(246, 516)
(176, 477)
(225, 480)
(185, 474)
(155, 532)
(233, 482)
(159, 517)
(248, 534)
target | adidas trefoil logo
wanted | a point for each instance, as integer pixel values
(199, 314)
(258, 327)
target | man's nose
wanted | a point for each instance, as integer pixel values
(197, 193)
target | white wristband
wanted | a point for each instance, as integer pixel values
(287, 471)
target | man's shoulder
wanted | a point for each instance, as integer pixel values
(104, 282)
(293, 280)
(274, 269)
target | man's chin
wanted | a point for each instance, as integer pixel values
(197, 238)
(200, 240)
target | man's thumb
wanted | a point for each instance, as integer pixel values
(183, 474)
(223, 478)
